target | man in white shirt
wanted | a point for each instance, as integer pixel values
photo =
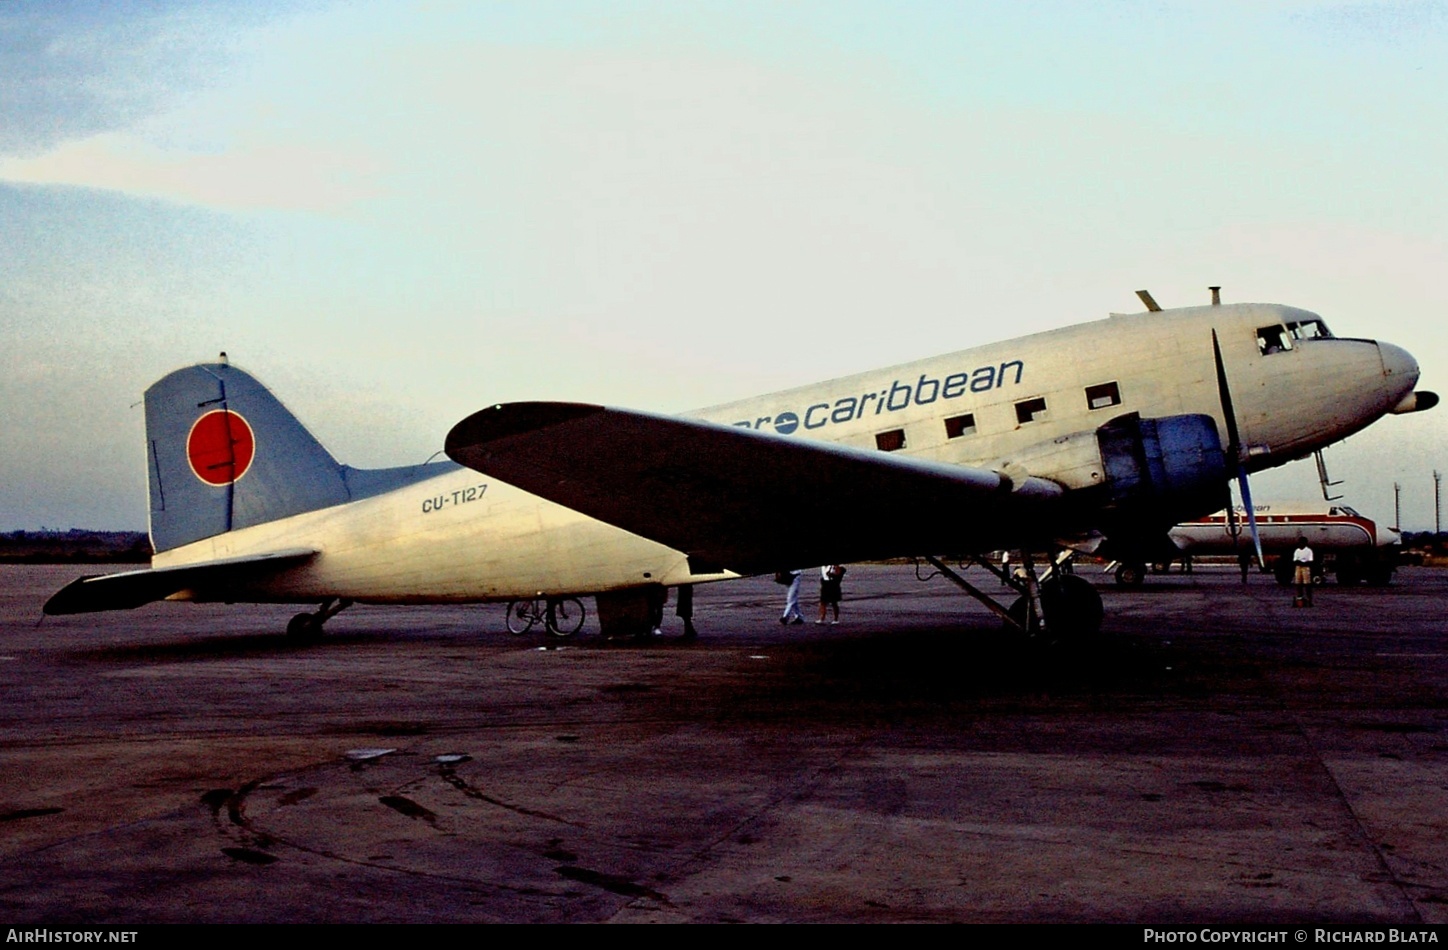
(1302, 573)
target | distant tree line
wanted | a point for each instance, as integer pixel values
(75, 546)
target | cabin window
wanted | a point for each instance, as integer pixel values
(1030, 410)
(1273, 339)
(1100, 397)
(892, 440)
(957, 426)
(1309, 330)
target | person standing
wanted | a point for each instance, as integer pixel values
(684, 610)
(658, 595)
(830, 577)
(1302, 573)
(791, 599)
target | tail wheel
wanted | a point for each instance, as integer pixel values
(522, 614)
(304, 628)
(565, 616)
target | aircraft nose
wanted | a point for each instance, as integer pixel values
(1399, 367)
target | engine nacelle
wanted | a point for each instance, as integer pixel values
(1144, 475)
(1071, 461)
(1163, 470)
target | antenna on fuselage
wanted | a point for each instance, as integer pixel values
(1150, 302)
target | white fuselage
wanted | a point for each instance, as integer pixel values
(462, 536)
(1326, 528)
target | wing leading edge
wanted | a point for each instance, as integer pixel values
(736, 499)
(134, 588)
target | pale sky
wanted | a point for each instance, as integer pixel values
(395, 213)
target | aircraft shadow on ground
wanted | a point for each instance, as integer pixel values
(893, 674)
(212, 646)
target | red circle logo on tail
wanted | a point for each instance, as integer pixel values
(220, 447)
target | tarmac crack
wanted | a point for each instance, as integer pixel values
(252, 842)
(802, 786)
(449, 775)
(217, 799)
(1373, 846)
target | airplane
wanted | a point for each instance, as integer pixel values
(1097, 437)
(1358, 548)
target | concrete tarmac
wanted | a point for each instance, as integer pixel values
(1216, 757)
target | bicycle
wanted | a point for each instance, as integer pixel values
(560, 616)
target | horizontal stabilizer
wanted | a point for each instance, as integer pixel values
(741, 500)
(134, 588)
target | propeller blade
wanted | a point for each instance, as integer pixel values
(1251, 513)
(1234, 444)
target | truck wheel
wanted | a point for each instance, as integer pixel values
(1380, 576)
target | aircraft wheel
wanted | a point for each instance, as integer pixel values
(565, 616)
(1018, 612)
(1072, 607)
(1131, 575)
(304, 628)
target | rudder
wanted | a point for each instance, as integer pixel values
(224, 453)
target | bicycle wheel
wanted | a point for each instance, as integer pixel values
(565, 616)
(522, 614)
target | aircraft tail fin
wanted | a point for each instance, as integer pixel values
(224, 453)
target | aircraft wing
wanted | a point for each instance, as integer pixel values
(134, 588)
(736, 499)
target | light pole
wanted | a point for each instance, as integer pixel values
(1437, 507)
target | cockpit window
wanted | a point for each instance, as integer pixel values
(1309, 330)
(1273, 339)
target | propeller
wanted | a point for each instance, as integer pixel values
(1235, 448)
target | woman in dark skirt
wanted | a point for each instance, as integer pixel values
(830, 577)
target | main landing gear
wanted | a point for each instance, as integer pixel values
(305, 628)
(1058, 604)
